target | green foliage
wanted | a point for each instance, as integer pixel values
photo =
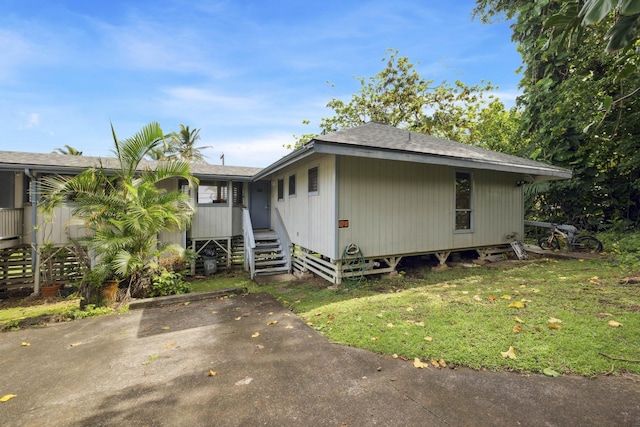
(578, 111)
(625, 246)
(168, 283)
(125, 211)
(400, 97)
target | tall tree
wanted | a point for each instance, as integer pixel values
(123, 207)
(68, 150)
(399, 96)
(182, 145)
(567, 91)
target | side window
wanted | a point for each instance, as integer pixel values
(213, 192)
(238, 194)
(292, 185)
(280, 189)
(313, 180)
(464, 212)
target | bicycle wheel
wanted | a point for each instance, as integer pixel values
(549, 243)
(587, 244)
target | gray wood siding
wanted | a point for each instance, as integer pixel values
(397, 208)
(212, 222)
(309, 219)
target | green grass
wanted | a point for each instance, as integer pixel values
(24, 312)
(464, 315)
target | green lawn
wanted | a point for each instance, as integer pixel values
(555, 314)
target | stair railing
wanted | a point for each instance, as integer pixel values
(249, 243)
(285, 241)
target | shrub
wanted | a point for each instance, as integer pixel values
(625, 247)
(168, 283)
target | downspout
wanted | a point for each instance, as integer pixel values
(35, 259)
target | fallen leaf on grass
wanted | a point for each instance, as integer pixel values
(389, 325)
(417, 363)
(394, 356)
(492, 297)
(517, 304)
(25, 344)
(434, 363)
(419, 323)
(255, 335)
(511, 354)
(319, 314)
(409, 308)
(614, 324)
(375, 338)
(273, 322)
(212, 373)
(554, 320)
(603, 315)
(554, 326)
(477, 298)
(442, 363)
(7, 397)
(506, 297)
(550, 372)
(517, 329)
(428, 338)
(517, 319)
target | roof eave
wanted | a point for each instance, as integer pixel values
(538, 173)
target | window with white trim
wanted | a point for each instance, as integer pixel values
(313, 180)
(464, 211)
(280, 189)
(213, 192)
(292, 185)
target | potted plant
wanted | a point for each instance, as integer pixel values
(47, 253)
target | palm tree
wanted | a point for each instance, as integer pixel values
(183, 145)
(68, 150)
(124, 209)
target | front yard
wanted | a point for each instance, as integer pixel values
(543, 315)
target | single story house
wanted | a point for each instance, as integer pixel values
(348, 203)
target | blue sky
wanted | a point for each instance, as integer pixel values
(245, 72)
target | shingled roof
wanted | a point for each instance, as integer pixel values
(379, 140)
(63, 164)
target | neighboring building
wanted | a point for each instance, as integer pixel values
(348, 203)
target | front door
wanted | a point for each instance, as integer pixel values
(260, 204)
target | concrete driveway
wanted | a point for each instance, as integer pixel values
(150, 367)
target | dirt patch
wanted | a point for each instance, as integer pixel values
(630, 280)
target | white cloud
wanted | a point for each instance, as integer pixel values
(255, 152)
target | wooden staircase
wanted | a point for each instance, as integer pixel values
(269, 253)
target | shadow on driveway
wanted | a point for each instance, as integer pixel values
(247, 360)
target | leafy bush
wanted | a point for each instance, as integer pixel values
(625, 247)
(168, 283)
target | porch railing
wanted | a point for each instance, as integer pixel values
(10, 223)
(249, 243)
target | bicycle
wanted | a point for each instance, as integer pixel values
(565, 235)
